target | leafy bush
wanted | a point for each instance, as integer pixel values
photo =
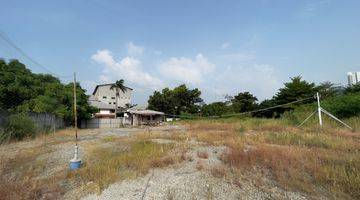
(215, 109)
(299, 114)
(344, 106)
(18, 127)
(40, 93)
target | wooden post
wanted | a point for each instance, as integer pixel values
(75, 110)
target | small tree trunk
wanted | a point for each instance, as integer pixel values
(116, 100)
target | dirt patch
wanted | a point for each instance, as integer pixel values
(196, 169)
(186, 181)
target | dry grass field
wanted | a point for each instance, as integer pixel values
(314, 162)
(311, 160)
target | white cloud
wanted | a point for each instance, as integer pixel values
(225, 45)
(103, 57)
(241, 73)
(127, 68)
(134, 49)
(186, 70)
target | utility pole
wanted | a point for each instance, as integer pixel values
(75, 163)
(117, 95)
(75, 110)
(319, 108)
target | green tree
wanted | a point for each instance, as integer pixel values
(215, 109)
(186, 100)
(344, 106)
(267, 103)
(118, 85)
(163, 101)
(176, 101)
(327, 90)
(294, 90)
(244, 102)
(353, 89)
(21, 90)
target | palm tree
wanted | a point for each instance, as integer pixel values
(118, 85)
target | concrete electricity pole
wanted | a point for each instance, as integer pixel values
(75, 163)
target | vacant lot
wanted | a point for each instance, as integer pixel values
(202, 159)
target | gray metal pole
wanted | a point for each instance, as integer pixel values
(307, 118)
(326, 112)
(319, 108)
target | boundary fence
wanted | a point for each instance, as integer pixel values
(43, 121)
(102, 123)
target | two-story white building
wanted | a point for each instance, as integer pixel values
(104, 99)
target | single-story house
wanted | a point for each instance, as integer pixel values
(140, 116)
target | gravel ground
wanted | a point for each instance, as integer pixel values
(185, 181)
(63, 149)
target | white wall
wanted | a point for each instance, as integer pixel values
(104, 111)
(102, 123)
(124, 97)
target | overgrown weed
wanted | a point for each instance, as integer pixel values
(18, 177)
(310, 159)
(108, 165)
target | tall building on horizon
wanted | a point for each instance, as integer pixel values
(353, 78)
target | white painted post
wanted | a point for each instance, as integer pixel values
(319, 108)
(332, 116)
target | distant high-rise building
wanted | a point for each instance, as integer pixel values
(353, 78)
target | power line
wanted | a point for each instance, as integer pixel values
(12, 44)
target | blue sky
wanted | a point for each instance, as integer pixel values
(221, 47)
